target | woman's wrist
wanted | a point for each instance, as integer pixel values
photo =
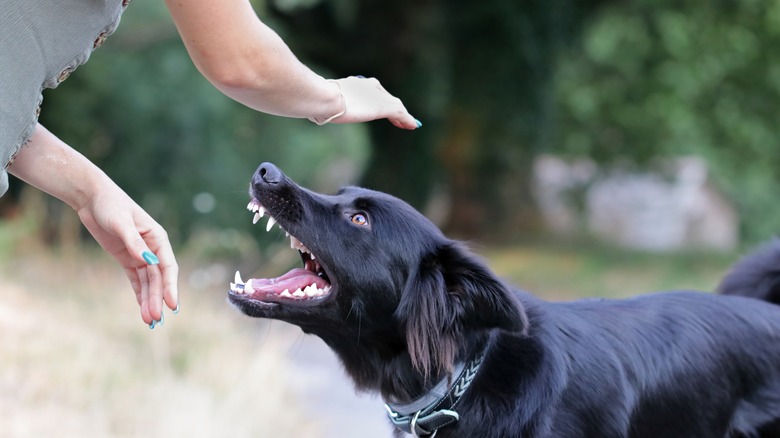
(334, 114)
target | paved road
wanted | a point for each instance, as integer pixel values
(329, 396)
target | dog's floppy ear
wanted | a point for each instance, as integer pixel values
(448, 294)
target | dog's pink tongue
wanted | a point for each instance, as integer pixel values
(297, 278)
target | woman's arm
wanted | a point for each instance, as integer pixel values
(121, 227)
(249, 62)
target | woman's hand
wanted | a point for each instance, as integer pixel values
(366, 99)
(122, 228)
(139, 244)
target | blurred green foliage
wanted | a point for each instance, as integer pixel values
(494, 83)
(653, 79)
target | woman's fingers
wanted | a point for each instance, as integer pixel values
(144, 282)
(169, 278)
(158, 272)
(366, 99)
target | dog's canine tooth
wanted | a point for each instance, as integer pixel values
(256, 218)
(270, 224)
(238, 279)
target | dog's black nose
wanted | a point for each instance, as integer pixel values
(269, 174)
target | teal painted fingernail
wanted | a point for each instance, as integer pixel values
(176, 310)
(419, 123)
(157, 322)
(150, 258)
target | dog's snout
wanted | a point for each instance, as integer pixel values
(269, 174)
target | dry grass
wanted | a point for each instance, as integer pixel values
(562, 272)
(78, 361)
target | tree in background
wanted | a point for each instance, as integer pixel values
(497, 82)
(478, 74)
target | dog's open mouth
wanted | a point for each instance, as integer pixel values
(303, 286)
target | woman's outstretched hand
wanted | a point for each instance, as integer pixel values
(141, 247)
(366, 99)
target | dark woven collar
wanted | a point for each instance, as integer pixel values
(435, 409)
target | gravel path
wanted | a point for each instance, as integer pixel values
(329, 395)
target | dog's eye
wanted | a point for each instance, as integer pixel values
(359, 219)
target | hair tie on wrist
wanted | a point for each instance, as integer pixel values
(335, 116)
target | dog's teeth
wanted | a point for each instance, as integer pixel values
(270, 224)
(254, 206)
(299, 293)
(286, 293)
(312, 255)
(248, 287)
(256, 218)
(296, 244)
(238, 279)
(260, 210)
(237, 288)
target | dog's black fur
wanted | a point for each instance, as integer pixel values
(406, 304)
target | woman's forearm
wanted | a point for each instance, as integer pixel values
(249, 62)
(52, 166)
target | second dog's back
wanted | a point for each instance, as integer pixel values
(757, 275)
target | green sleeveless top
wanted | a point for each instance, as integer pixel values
(41, 43)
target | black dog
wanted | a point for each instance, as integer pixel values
(454, 351)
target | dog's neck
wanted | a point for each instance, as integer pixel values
(380, 362)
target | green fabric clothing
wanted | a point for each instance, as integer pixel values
(41, 43)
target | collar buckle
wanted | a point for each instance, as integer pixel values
(422, 423)
(436, 409)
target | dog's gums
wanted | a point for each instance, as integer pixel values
(305, 285)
